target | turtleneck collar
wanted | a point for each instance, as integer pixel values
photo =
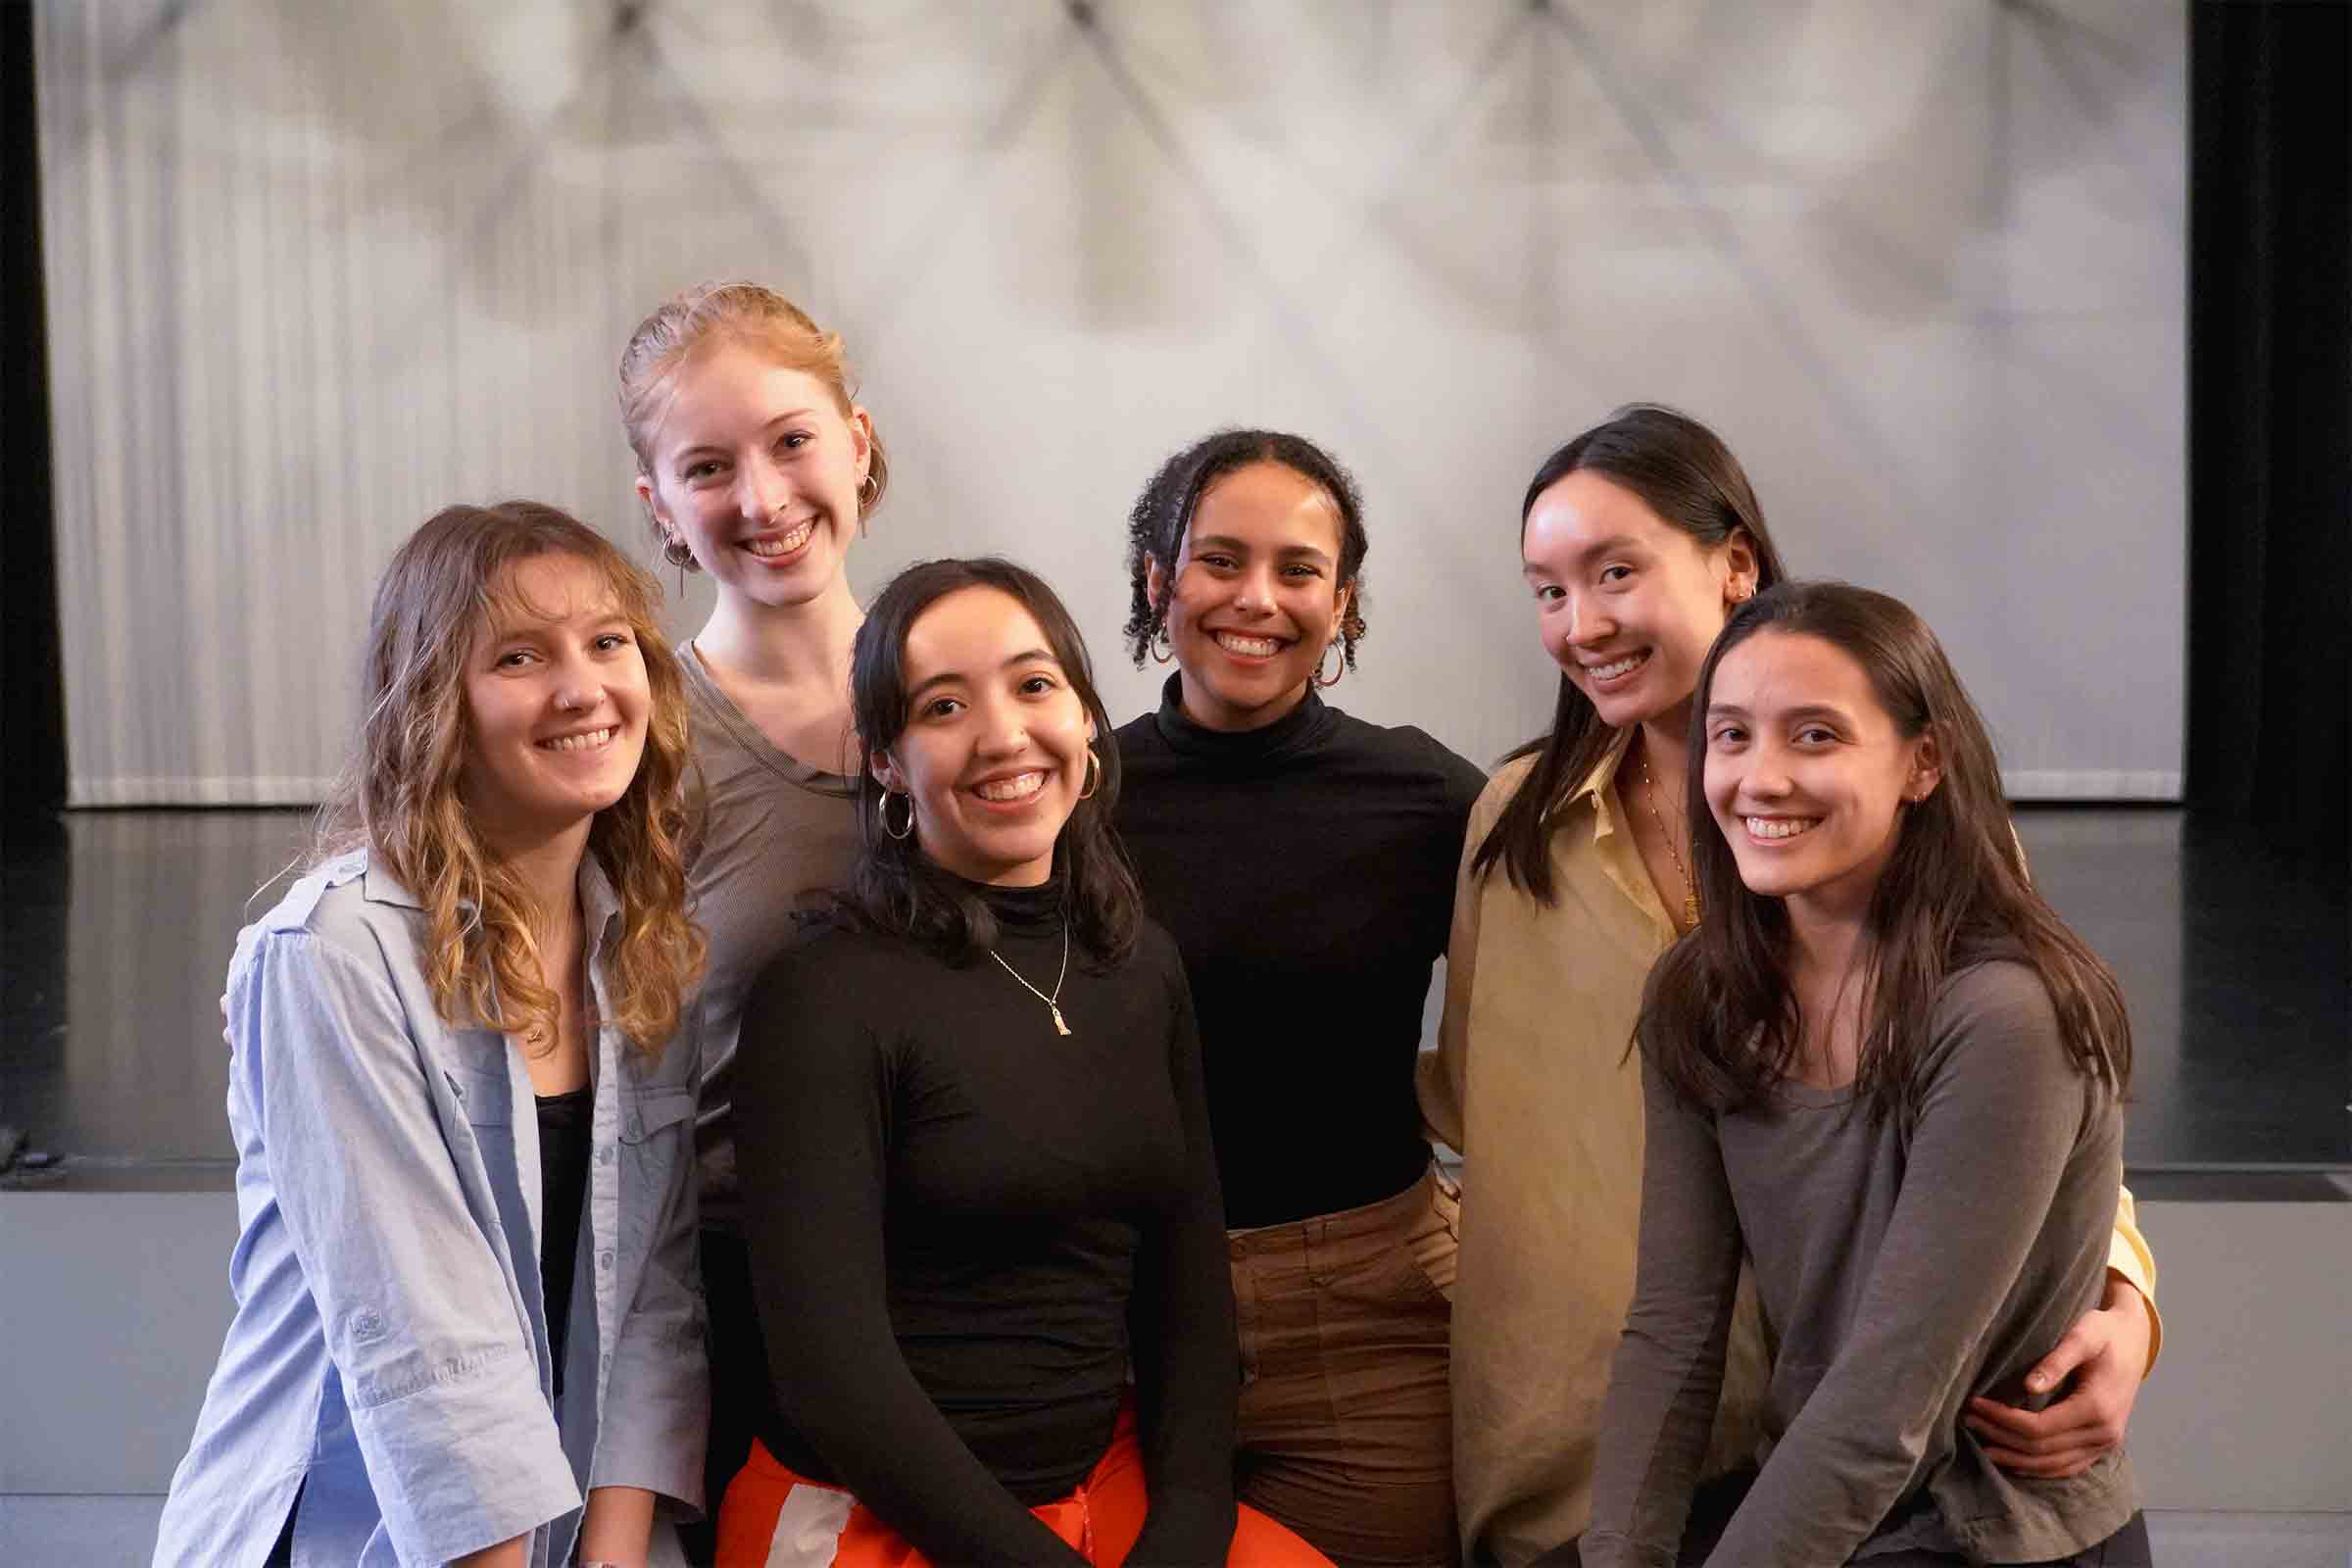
(1021, 911)
(1294, 732)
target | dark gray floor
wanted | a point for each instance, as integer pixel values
(117, 932)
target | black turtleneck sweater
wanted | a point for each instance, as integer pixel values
(1307, 873)
(963, 1225)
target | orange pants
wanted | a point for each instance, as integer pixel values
(776, 1518)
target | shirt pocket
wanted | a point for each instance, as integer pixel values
(486, 1115)
(656, 1133)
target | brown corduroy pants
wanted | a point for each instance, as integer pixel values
(1346, 1431)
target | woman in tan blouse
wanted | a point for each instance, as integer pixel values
(1637, 537)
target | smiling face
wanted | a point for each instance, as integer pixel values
(757, 469)
(556, 704)
(1628, 604)
(1256, 598)
(994, 750)
(1807, 773)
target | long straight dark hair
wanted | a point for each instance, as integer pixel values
(895, 887)
(1718, 1016)
(1684, 472)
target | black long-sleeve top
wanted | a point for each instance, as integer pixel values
(963, 1225)
(1306, 871)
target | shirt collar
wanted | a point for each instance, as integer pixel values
(1597, 784)
(600, 903)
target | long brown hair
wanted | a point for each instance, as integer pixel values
(1684, 472)
(1718, 1017)
(894, 888)
(399, 793)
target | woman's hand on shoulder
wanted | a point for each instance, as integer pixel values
(2106, 1355)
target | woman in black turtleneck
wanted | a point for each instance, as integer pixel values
(977, 1181)
(1305, 863)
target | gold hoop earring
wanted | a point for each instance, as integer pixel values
(1094, 775)
(883, 811)
(1162, 646)
(1338, 674)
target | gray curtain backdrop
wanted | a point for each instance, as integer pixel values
(316, 270)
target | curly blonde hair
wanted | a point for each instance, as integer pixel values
(398, 794)
(746, 313)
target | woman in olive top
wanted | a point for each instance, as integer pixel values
(1303, 860)
(1638, 538)
(1884, 1070)
(754, 464)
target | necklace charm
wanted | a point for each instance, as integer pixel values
(1053, 999)
(1649, 796)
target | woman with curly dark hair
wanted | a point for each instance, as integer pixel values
(1303, 860)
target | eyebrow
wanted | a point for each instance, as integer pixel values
(1226, 541)
(948, 676)
(684, 453)
(1794, 716)
(1610, 546)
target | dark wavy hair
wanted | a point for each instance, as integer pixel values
(894, 888)
(1164, 512)
(1718, 1017)
(1684, 472)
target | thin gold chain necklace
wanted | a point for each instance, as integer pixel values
(1649, 796)
(1053, 1001)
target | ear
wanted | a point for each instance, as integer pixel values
(1927, 767)
(1739, 556)
(1347, 601)
(1156, 582)
(861, 436)
(649, 497)
(886, 773)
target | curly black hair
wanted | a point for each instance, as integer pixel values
(1155, 527)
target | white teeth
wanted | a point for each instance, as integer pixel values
(1254, 647)
(579, 742)
(769, 549)
(1612, 671)
(1017, 788)
(1781, 827)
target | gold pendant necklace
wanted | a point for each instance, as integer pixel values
(1649, 796)
(1053, 1001)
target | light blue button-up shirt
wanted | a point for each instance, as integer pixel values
(388, 1360)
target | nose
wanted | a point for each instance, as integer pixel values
(1255, 592)
(578, 687)
(1588, 623)
(1767, 775)
(1003, 731)
(761, 489)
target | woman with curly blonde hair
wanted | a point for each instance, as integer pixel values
(465, 1179)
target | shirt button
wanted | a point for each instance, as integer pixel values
(636, 1125)
(604, 1155)
(603, 1259)
(366, 1327)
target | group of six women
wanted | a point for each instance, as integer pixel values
(1040, 1103)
